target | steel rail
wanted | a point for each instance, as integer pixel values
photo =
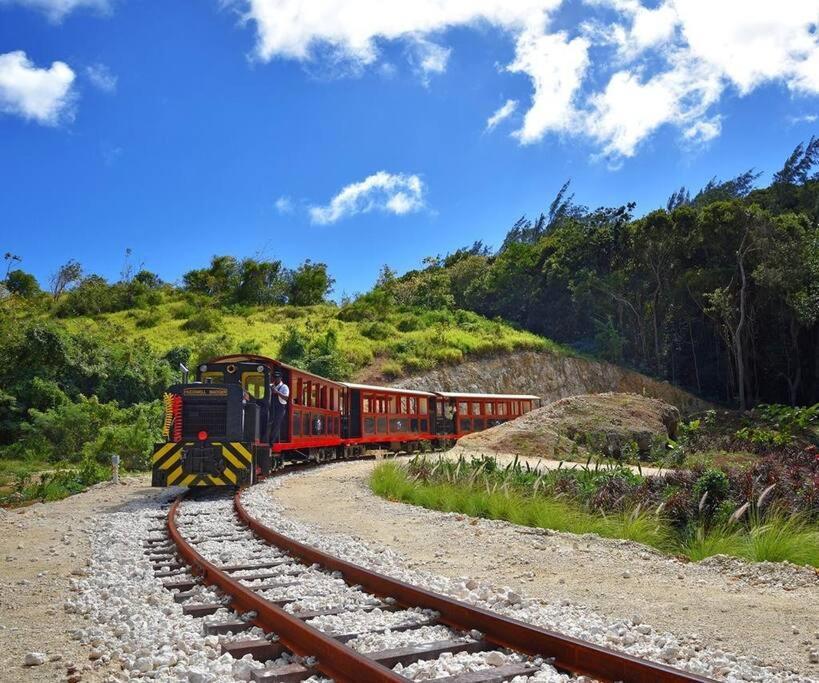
(334, 659)
(569, 654)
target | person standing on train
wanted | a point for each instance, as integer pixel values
(280, 395)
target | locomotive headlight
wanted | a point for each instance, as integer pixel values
(260, 368)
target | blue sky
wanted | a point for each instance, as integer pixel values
(358, 136)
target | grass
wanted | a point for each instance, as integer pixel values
(23, 481)
(14, 471)
(391, 481)
(775, 538)
(407, 340)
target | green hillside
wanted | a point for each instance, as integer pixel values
(398, 342)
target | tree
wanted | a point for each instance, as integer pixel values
(798, 165)
(10, 260)
(67, 275)
(788, 273)
(261, 282)
(22, 284)
(148, 279)
(310, 283)
(220, 280)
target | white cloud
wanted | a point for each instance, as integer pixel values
(626, 69)
(631, 108)
(430, 58)
(502, 113)
(284, 205)
(101, 77)
(751, 43)
(42, 95)
(56, 10)
(396, 193)
(293, 28)
(804, 118)
(556, 66)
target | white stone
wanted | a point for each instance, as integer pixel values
(34, 659)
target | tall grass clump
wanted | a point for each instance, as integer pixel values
(779, 537)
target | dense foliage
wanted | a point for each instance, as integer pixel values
(719, 293)
(82, 366)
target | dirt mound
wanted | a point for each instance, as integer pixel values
(579, 424)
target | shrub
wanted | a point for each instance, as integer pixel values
(148, 319)
(408, 323)
(377, 330)
(183, 311)
(713, 482)
(203, 321)
(392, 369)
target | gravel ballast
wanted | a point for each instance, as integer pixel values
(128, 626)
(453, 540)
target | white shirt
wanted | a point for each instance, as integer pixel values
(284, 392)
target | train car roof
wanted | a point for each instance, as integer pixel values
(264, 360)
(370, 387)
(514, 397)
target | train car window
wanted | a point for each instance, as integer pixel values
(213, 377)
(424, 424)
(463, 408)
(476, 408)
(413, 405)
(501, 409)
(314, 395)
(332, 404)
(490, 408)
(296, 424)
(403, 405)
(477, 424)
(423, 406)
(369, 425)
(466, 425)
(382, 425)
(254, 384)
(305, 392)
(366, 405)
(392, 405)
(297, 392)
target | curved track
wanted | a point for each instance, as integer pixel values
(329, 655)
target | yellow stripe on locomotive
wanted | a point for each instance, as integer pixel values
(196, 463)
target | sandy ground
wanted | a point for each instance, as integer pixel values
(40, 546)
(767, 613)
(533, 462)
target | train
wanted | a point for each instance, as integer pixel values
(217, 426)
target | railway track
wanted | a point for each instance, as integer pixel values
(299, 612)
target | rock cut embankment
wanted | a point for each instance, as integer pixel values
(551, 376)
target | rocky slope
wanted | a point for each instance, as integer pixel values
(550, 376)
(602, 422)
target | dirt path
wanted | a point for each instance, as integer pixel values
(42, 548)
(768, 613)
(542, 463)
